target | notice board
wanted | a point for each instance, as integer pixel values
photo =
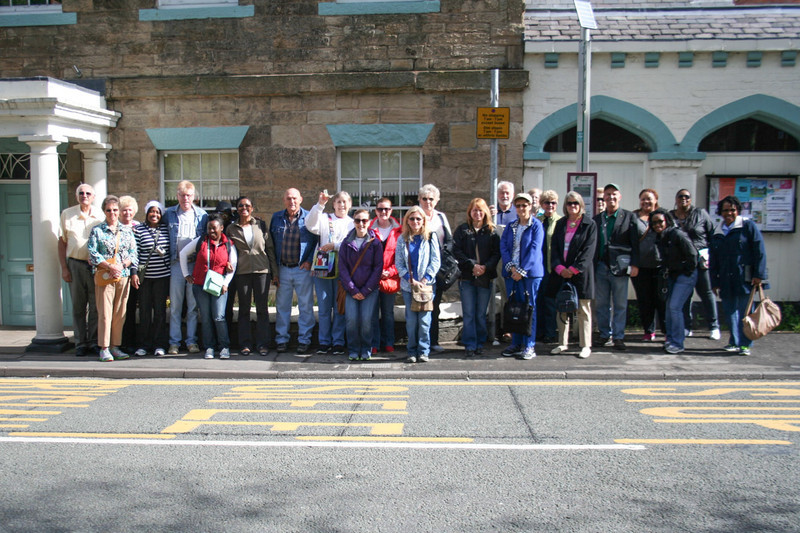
(769, 201)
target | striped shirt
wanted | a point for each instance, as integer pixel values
(158, 266)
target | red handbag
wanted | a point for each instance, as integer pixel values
(389, 285)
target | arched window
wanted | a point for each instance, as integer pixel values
(749, 135)
(604, 137)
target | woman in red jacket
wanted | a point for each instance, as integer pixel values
(386, 229)
(214, 252)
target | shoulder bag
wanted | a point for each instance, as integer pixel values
(448, 269)
(765, 318)
(340, 292)
(517, 313)
(421, 295)
(326, 265)
(214, 280)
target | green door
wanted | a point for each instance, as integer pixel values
(16, 257)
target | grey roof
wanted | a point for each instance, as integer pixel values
(660, 24)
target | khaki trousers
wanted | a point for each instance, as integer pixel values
(584, 314)
(112, 300)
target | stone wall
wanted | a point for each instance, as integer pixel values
(287, 72)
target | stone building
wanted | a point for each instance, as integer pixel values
(684, 95)
(254, 96)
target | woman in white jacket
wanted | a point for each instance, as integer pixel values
(332, 228)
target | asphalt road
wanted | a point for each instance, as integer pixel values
(182, 455)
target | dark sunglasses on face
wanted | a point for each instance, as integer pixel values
(415, 219)
(383, 209)
(549, 203)
(573, 203)
(245, 206)
(360, 220)
(427, 199)
(82, 193)
(684, 196)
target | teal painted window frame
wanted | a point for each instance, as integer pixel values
(196, 12)
(378, 135)
(220, 138)
(379, 8)
(14, 19)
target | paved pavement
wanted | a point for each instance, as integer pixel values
(775, 357)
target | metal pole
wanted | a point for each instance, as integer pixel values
(584, 99)
(495, 97)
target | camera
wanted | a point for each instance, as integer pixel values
(161, 251)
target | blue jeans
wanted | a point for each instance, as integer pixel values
(735, 308)
(383, 325)
(212, 318)
(179, 289)
(680, 289)
(474, 301)
(703, 289)
(531, 286)
(546, 312)
(418, 328)
(610, 291)
(358, 315)
(294, 280)
(331, 323)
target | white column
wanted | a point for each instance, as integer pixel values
(45, 220)
(95, 168)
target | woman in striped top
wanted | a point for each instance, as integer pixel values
(151, 277)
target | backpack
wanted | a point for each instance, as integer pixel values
(567, 298)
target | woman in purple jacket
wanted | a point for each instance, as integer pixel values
(360, 269)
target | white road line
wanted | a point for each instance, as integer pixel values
(329, 444)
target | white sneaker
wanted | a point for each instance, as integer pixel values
(141, 352)
(209, 353)
(585, 352)
(558, 349)
(528, 354)
(225, 353)
(715, 335)
(687, 332)
(159, 352)
(105, 355)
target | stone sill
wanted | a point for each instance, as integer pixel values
(10, 20)
(193, 13)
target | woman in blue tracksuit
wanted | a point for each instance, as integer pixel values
(738, 263)
(523, 268)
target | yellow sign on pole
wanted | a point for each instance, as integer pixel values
(493, 122)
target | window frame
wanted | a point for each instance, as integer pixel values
(397, 208)
(198, 183)
(37, 8)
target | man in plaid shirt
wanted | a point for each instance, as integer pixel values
(294, 246)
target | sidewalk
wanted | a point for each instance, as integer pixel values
(775, 357)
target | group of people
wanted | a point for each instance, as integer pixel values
(356, 264)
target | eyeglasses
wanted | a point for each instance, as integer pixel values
(728, 210)
(549, 203)
(112, 210)
(572, 203)
(244, 206)
(427, 199)
(414, 219)
(383, 209)
(360, 220)
(82, 193)
(684, 196)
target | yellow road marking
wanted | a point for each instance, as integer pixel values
(21, 419)
(703, 441)
(43, 404)
(385, 439)
(27, 412)
(14, 425)
(91, 435)
(683, 400)
(388, 405)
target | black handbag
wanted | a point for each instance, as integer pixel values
(567, 298)
(448, 269)
(517, 314)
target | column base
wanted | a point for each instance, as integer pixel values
(59, 345)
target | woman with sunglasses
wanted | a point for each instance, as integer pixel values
(652, 305)
(738, 264)
(360, 269)
(679, 257)
(387, 229)
(572, 259)
(438, 225)
(476, 247)
(254, 271)
(112, 252)
(697, 224)
(417, 260)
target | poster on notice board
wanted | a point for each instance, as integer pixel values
(768, 201)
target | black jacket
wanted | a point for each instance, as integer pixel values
(580, 255)
(678, 254)
(624, 238)
(488, 243)
(698, 226)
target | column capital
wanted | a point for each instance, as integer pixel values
(93, 147)
(42, 142)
